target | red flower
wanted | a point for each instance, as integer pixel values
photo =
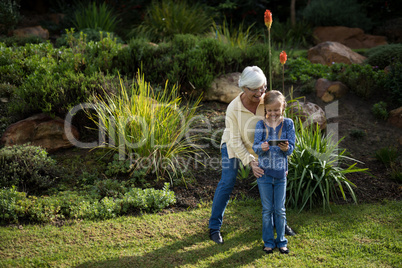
(268, 18)
(283, 57)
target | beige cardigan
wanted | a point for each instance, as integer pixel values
(239, 130)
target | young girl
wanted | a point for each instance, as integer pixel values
(273, 160)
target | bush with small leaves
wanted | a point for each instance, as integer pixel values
(27, 167)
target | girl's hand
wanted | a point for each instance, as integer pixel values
(257, 171)
(265, 146)
(284, 146)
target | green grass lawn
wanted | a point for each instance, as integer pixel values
(366, 235)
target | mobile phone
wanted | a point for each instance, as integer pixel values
(276, 142)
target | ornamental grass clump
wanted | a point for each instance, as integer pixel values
(149, 127)
(317, 170)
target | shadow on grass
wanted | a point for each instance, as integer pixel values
(241, 249)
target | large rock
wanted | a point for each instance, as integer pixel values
(39, 130)
(395, 117)
(329, 91)
(29, 31)
(224, 88)
(350, 37)
(328, 53)
(310, 114)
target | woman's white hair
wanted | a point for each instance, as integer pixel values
(252, 77)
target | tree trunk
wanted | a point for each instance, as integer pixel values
(293, 13)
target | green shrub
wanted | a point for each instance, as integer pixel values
(109, 188)
(317, 170)
(347, 13)
(382, 56)
(56, 93)
(357, 133)
(9, 198)
(387, 155)
(166, 18)
(379, 110)
(9, 15)
(393, 85)
(301, 70)
(20, 41)
(95, 35)
(364, 80)
(17, 207)
(28, 168)
(95, 16)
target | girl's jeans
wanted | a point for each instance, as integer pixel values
(273, 195)
(224, 189)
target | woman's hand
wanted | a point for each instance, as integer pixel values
(265, 146)
(257, 171)
(284, 146)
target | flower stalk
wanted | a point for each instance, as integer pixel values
(268, 23)
(282, 58)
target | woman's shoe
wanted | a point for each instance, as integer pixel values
(268, 250)
(284, 250)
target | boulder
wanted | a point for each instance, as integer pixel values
(224, 88)
(328, 53)
(395, 117)
(351, 37)
(310, 114)
(35, 31)
(39, 130)
(329, 91)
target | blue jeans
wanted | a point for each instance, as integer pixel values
(273, 195)
(224, 188)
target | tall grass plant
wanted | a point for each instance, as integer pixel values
(149, 127)
(317, 170)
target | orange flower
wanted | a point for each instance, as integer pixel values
(283, 57)
(268, 18)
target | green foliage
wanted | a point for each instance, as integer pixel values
(387, 155)
(316, 170)
(20, 41)
(95, 16)
(393, 85)
(109, 188)
(357, 133)
(364, 79)
(9, 198)
(148, 126)
(383, 56)
(379, 110)
(118, 167)
(56, 93)
(235, 37)
(9, 15)
(285, 36)
(244, 172)
(17, 207)
(166, 18)
(27, 167)
(301, 70)
(347, 13)
(6, 90)
(88, 34)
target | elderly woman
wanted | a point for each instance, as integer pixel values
(242, 115)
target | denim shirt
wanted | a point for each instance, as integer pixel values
(274, 162)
